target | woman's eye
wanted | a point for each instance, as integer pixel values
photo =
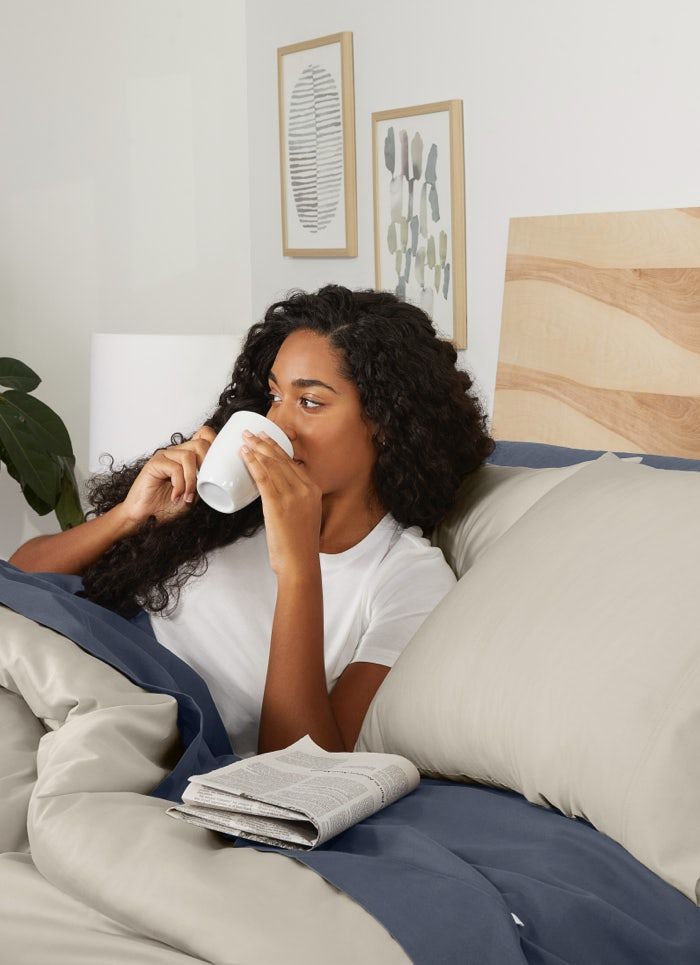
(312, 403)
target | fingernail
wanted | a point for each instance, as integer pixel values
(247, 432)
(190, 498)
(245, 449)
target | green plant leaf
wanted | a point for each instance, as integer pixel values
(35, 421)
(36, 449)
(38, 505)
(69, 512)
(9, 465)
(16, 375)
(32, 466)
(32, 434)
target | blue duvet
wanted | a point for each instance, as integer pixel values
(457, 874)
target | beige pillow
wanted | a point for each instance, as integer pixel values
(565, 665)
(489, 501)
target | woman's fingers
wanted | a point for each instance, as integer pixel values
(263, 444)
(167, 483)
(183, 472)
(273, 462)
(206, 433)
(262, 471)
(172, 468)
(198, 446)
(189, 456)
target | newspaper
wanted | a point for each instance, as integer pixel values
(298, 797)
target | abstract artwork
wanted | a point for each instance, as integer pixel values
(419, 213)
(317, 148)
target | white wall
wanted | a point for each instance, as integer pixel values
(567, 107)
(123, 189)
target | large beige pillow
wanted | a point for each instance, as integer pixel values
(565, 665)
(489, 501)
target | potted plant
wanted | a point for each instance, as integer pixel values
(36, 448)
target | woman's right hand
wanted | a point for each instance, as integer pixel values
(166, 487)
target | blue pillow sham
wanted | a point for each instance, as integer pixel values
(540, 455)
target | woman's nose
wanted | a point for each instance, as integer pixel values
(283, 419)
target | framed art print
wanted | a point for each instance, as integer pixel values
(317, 148)
(419, 212)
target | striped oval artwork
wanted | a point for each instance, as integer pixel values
(315, 147)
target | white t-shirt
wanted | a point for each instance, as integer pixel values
(375, 596)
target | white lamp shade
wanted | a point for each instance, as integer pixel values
(143, 388)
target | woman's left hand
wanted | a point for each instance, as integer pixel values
(291, 505)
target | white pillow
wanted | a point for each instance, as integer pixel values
(489, 501)
(565, 664)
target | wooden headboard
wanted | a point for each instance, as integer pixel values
(600, 332)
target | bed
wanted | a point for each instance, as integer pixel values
(551, 701)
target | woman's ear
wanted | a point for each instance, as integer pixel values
(378, 437)
(376, 434)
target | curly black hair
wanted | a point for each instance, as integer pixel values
(434, 430)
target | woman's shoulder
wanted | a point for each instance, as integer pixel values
(412, 559)
(411, 579)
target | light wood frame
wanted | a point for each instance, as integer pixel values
(349, 249)
(458, 335)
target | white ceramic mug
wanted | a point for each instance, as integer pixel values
(223, 480)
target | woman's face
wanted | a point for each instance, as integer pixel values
(323, 421)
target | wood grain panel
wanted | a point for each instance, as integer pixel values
(666, 238)
(667, 298)
(676, 419)
(601, 318)
(557, 421)
(593, 342)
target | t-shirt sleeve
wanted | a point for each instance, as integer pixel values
(400, 601)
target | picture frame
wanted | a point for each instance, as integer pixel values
(316, 103)
(419, 211)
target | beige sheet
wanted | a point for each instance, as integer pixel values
(94, 870)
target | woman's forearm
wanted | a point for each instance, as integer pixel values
(296, 700)
(73, 550)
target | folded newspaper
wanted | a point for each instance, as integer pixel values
(298, 797)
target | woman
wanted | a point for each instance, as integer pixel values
(311, 592)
